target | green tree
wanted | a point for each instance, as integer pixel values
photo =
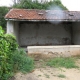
(57, 3)
(29, 4)
(3, 11)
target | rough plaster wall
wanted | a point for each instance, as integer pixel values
(10, 27)
(16, 30)
(13, 28)
(44, 34)
(76, 33)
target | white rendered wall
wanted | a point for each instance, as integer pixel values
(10, 27)
(16, 30)
(13, 28)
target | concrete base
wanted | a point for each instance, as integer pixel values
(54, 51)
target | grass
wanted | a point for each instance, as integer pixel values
(61, 76)
(40, 64)
(22, 62)
(47, 76)
(39, 75)
(62, 62)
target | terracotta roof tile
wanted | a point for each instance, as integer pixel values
(35, 14)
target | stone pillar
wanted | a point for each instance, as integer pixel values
(76, 33)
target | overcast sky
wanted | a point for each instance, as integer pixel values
(72, 5)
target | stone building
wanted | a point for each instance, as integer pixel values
(46, 31)
(44, 27)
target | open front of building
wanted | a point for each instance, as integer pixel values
(44, 34)
(29, 33)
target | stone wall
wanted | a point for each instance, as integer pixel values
(44, 52)
(44, 33)
(76, 33)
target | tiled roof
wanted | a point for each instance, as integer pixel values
(35, 14)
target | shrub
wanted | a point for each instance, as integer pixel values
(11, 58)
(22, 62)
(6, 49)
(11, 40)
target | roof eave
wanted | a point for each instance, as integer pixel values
(34, 20)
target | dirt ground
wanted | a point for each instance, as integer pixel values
(49, 73)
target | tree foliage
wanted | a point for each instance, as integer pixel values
(29, 4)
(3, 11)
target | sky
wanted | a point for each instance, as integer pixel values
(72, 5)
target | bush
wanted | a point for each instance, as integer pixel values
(11, 40)
(6, 49)
(12, 59)
(22, 62)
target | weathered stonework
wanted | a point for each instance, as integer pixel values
(45, 52)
